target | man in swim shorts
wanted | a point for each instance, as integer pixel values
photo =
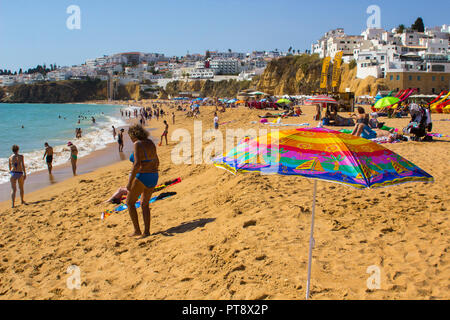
(48, 155)
(120, 140)
(73, 157)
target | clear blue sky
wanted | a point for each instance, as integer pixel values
(35, 32)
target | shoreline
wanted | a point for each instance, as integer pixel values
(91, 162)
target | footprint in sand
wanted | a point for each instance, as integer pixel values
(249, 223)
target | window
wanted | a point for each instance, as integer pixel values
(392, 77)
(442, 79)
(418, 78)
(410, 78)
(433, 78)
(398, 77)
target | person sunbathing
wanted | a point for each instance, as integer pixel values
(362, 120)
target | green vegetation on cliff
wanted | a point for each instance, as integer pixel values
(67, 91)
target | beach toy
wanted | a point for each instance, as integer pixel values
(263, 120)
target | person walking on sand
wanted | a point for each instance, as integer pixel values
(73, 157)
(114, 132)
(18, 174)
(48, 155)
(165, 133)
(143, 177)
(216, 121)
(173, 117)
(120, 140)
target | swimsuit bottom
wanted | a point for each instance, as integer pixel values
(148, 179)
(74, 157)
(16, 174)
(49, 159)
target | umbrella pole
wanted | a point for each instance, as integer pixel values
(311, 241)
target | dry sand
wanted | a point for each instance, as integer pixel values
(234, 237)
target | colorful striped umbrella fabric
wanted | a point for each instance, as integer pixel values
(321, 99)
(324, 154)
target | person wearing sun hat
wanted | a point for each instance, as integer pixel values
(73, 157)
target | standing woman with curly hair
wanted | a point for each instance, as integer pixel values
(143, 177)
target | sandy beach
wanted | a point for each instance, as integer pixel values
(234, 237)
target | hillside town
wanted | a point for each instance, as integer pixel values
(405, 58)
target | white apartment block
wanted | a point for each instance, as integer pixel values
(227, 55)
(201, 73)
(225, 66)
(7, 81)
(346, 44)
(321, 47)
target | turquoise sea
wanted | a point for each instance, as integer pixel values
(55, 124)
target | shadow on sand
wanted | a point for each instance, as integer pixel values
(185, 227)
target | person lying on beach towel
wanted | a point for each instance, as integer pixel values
(122, 192)
(270, 115)
(117, 197)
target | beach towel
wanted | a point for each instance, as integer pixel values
(368, 133)
(123, 206)
(162, 196)
(381, 140)
(438, 135)
(289, 124)
(123, 194)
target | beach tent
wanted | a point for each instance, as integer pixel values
(322, 154)
(378, 97)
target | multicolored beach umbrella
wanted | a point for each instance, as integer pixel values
(322, 154)
(321, 100)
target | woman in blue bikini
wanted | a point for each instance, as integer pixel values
(143, 177)
(18, 173)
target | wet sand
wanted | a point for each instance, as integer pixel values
(95, 160)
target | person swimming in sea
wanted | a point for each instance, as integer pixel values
(18, 174)
(48, 155)
(143, 177)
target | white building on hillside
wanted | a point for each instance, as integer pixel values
(225, 66)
